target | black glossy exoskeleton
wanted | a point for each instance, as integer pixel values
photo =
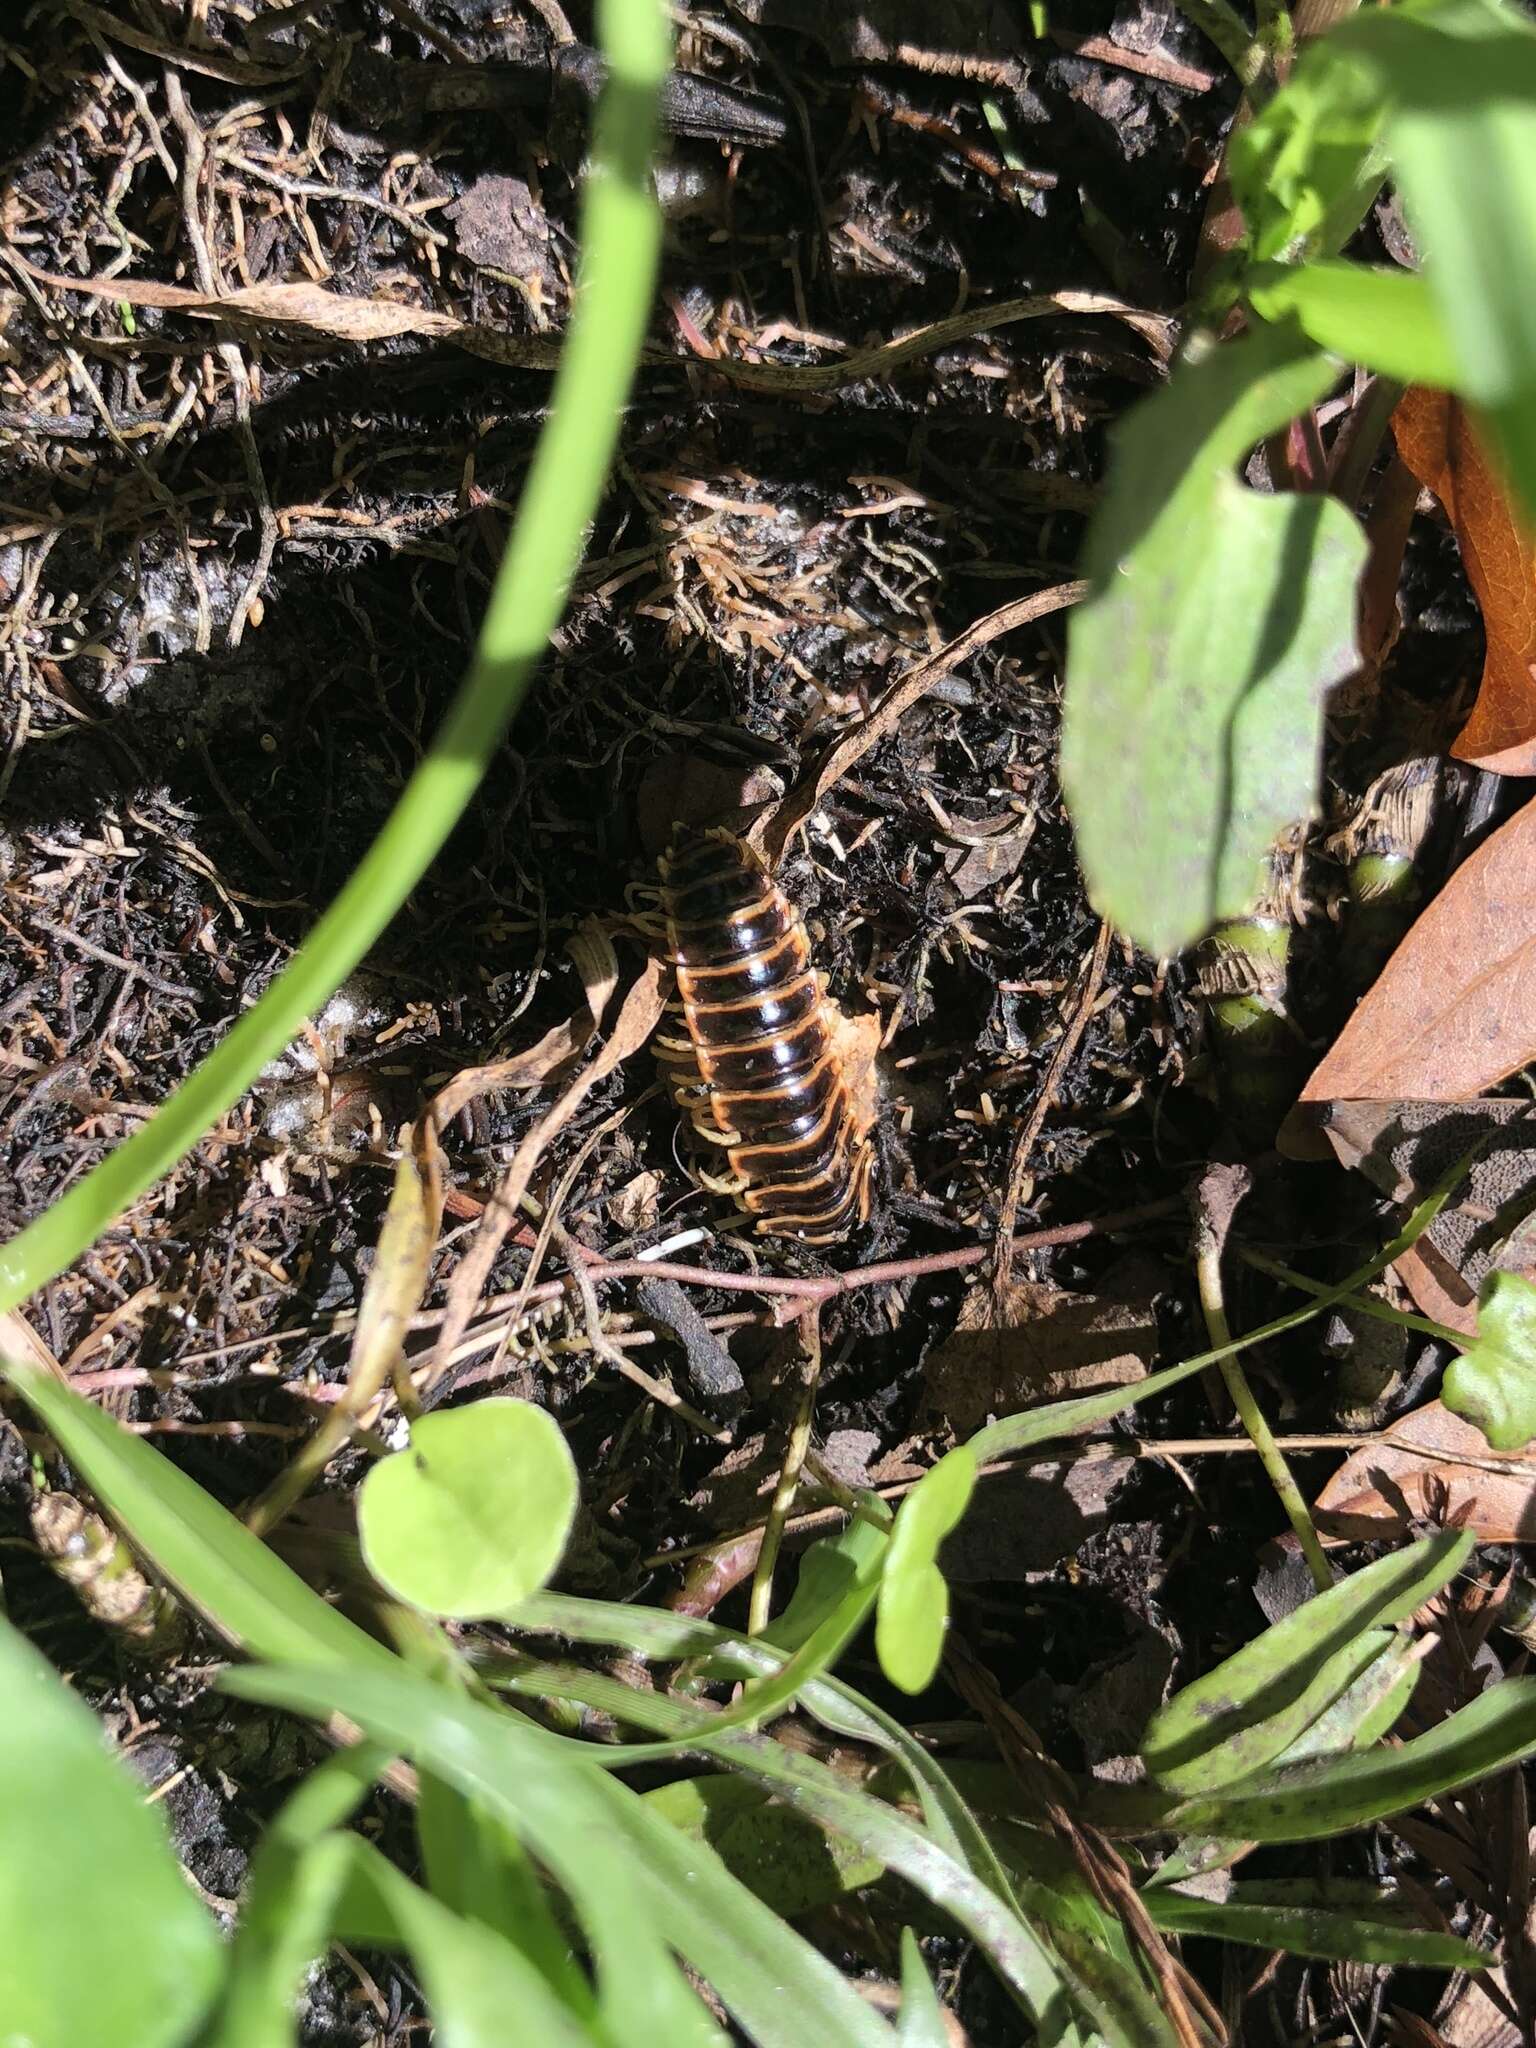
(759, 1072)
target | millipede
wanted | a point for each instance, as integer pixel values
(760, 1073)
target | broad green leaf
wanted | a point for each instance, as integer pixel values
(472, 1516)
(921, 2023)
(1386, 319)
(1366, 1710)
(234, 1581)
(287, 1915)
(1216, 621)
(1493, 1383)
(475, 1865)
(1241, 1716)
(1255, 1743)
(782, 1856)
(913, 1609)
(104, 1939)
(1460, 83)
(1310, 1801)
(830, 1570)
(1307, 167)
(1042, 1981)
(481, 1990)
(1262, 1916)
(639, 1888)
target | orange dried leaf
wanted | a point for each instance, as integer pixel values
(1454, 1010)
(1435, 437)
(1431, 1466)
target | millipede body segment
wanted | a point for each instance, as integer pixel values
(760, 1074)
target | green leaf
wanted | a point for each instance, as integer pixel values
(476, 1866)
(1386, 319)
(297, 1875)
(639, 1888)
(836, 1609)
(1114, 1997)
(1232, 1721)
(213, 1561)
(782, 1856)
(1306, 169)
(1460, 82)
(1493, 1383)
(1263, 1916)
(913, 1609)
(472, 1516)
(1310, 1801)
(832, 1568)
(921, 2023)
(104, 1938)
(1216, 621)
(481, 1990)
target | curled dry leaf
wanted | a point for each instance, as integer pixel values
(591, 947)
(1432, 1466)
(1435, 437)
(311, 309)
(1454, 1009)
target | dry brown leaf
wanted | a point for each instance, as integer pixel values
(1404, 1148)
(591, 947)
(1454, 1009)
(18, 1337)
(1042, 1345)
(397, 1279)
(1435, 437)
(1431, 1467)
(314, 310)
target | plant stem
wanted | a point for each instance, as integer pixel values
(1213, 1303)
(761, 1604)
(1365, 1303)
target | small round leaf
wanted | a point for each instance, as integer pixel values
(471, 1517)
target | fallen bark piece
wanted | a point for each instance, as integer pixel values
(1431, 1466)
(1454, 1009)
(1436, 439)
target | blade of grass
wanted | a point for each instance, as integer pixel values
(639, 1887)
(620, 239)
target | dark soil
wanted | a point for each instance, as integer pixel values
(187, 781)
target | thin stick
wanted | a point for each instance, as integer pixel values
(658, 1390)
(761, 1604)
